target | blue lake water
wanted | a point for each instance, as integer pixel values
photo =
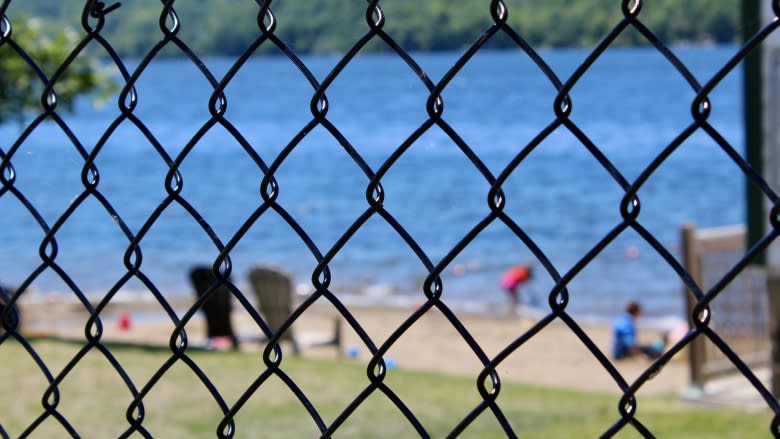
(631, 104)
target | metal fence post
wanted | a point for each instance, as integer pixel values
(752, 86)
(690, 256)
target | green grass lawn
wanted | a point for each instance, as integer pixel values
(94, 400)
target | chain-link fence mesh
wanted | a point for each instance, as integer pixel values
(432, 294)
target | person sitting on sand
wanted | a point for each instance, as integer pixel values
(624, 342)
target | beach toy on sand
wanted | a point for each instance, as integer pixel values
(352, 351)
(220, 343)
(677, 333)
(124, 321)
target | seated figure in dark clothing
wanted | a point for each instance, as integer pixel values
(624, 339)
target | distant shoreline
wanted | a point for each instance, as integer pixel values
(327, 26)
(39, 305)
(695, 44)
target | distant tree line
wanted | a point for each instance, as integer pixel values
(228, 27)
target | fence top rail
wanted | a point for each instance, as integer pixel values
(721, 238)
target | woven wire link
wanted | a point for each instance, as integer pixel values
(93, 19)
(750, 339)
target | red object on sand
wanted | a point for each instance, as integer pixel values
(515, 276)
(124, 321)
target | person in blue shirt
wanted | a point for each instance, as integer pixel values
(624, 339)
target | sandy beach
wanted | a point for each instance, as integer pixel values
(554, 357)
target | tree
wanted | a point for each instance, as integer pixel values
(22, 88)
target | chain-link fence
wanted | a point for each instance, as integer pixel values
(263, 170)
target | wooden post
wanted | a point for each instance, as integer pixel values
(692, 263)
(773, 288)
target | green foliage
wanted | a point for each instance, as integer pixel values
(320, 26)
(22, 87)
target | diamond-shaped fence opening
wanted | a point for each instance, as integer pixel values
(390, 188)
